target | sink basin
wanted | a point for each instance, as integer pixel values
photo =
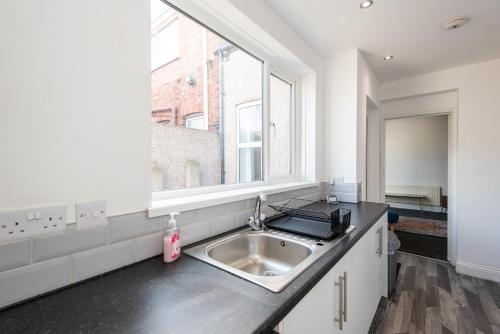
(260, 254)
(269, 258)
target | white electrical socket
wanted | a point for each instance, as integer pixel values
(91, 214)
(23, 223)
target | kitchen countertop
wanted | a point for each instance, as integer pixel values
(187, 296)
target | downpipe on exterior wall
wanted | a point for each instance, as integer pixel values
(205, 77)
(220, 54)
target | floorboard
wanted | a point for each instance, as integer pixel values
(430, 297)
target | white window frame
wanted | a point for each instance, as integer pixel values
(162, 63)
(270, 66)
(249, 145)
(188, 119)
(295, 134)
(160, 17)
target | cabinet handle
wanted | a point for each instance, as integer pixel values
(340, 284)
(380, 232)
(344, 307)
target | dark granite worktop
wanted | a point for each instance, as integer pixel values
(187, 296)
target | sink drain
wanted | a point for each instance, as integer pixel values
(270, 273)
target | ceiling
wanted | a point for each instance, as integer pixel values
(409, 30)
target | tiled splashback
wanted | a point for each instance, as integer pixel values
(38, 265)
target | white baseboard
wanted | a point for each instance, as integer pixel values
(477, 270)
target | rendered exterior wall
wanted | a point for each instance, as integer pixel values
(174, 148)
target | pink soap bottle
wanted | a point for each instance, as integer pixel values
(172, 240)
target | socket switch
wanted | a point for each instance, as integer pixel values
(91, 214)
(24, 223)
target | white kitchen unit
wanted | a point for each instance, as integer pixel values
(346, 298)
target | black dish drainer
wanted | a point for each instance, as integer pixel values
(318, 219)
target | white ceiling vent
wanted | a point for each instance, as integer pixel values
(456, 23)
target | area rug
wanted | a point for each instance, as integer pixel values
(432, 227)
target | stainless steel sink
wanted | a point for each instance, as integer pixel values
(269, 258)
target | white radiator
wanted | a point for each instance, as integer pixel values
(432, 194)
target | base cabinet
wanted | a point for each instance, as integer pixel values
(346, 298)
(315, 312)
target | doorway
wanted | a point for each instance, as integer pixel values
(416, 182)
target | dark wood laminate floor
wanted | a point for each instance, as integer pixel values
(430, 297)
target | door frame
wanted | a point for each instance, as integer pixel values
(452, 163)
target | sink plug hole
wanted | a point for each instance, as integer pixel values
(283, 244)
(319, 243)
(270, 273)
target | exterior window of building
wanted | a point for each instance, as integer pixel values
(250, 142)
(165, 44)
(209, 87)
(197, 122)
(281, 122)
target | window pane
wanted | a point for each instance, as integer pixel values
(195, 123)
(281, 125)
(250, 123)
(250, 164)
(208, 78)
(165, 45)
(158, 8)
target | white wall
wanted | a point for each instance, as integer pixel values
(74, 93)
(478, 157)
(368, 92)
(341, 116)
(74, 100)
(349, 81)
(428, 104)
(416, 151)
(374, 161)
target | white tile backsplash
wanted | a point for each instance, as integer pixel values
(194, 232)
(15, 254)
(100, 260)
(133, 225)
(148, 246)
(72, 241)
(211, 212)
(37, 265)
(242, 217)
(28, 281)
(231, 208)
(222, 224)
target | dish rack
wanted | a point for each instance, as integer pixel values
(312, 218)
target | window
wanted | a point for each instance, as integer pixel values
(250, 142)
(165, 45)
(243, 111)
(281, 122)
(210, 87)
(197, 122)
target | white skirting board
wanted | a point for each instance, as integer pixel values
(477, 270)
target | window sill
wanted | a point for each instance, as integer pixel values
(193, 202)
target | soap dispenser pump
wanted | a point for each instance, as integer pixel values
(172, 240)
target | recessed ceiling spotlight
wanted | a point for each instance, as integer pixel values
(389, 57)
(455, 23)
(366, 4)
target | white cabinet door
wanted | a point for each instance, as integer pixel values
(357, 281)
(315, 312)
(350, 291)
(364, 280)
